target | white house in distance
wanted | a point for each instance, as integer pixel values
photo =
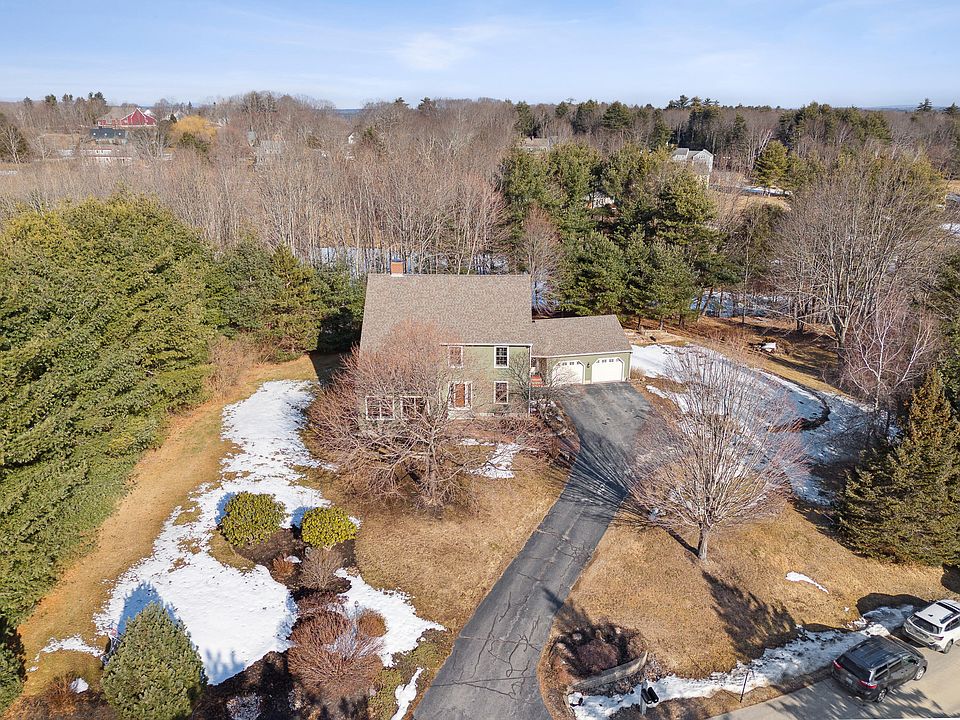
(700, 161)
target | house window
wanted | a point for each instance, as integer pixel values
(501, 392)
(379, 408)
(412, 406)
(455, 353)
(461, 394)
(501, 356)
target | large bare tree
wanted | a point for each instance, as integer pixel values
(724, 454)
(866, 224)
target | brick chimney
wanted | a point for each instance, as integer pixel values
(396, 267)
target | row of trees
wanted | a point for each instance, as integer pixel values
(108, 310)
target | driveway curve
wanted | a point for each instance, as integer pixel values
(492, 670)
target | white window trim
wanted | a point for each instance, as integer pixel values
(379, 416)
(452, 364)
(506, 401)
(495, 363)
(403, 415)
(467, 394)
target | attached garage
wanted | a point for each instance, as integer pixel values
(607, 369)
(568, 372)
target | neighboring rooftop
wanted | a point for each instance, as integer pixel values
(578, 336)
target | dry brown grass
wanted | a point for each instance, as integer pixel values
(163, 479)
(448, 563)
(332, 656)
(281, 568)
(371, 623)
(698, 618)
(319, 564)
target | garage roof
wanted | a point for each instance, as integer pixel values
(595, 335)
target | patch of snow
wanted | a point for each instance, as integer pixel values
(404, 627)
(244, 707)
(500, 463)
(405, 695)
(235, 616)
(74, 643)
(953, 228)
(825, 443)
(79, 686)
(800, 577)
(293, 559)
(807, 653)
(658, 392)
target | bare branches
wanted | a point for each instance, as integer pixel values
(386, 420)
(723, 457)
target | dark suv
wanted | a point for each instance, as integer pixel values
(877, 665)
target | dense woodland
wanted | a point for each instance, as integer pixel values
(124, 285)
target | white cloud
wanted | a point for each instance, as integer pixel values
(440, 50)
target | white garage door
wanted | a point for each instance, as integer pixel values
(607, 370)
(568, 371)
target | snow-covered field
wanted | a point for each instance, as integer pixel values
(810, 651)
(234, 616)
(823, 443)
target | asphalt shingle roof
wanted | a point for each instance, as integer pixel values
(481, 310)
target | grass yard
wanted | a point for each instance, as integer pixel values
(189, 456)
(448, 563)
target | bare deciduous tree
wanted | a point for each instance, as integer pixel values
(866, 224)
(386, 419)
(888, 350)
(722, 458)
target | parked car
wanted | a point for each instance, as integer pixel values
(877, 665)
(937, 626)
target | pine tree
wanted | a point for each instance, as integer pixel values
(771, 165)
(11, 664)
(155, 672)
(592, 276)
(660, 283)
(904, 503)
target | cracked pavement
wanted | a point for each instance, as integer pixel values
(492, 672)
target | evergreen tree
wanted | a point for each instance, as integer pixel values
(771, 166)
(592, 276)
(904, 502)
(13, 144)
(952, 110)
(572, 172)
(659, 283)
(586, 118)
(617, 117)
(11, 664)
(526, 125)
(155, 671)
(660, 135)
(926, 106)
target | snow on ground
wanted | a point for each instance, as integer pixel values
(405, 695)
(810, 651)
(800, 577)
(234, 616)
(823, 443)
(404, 627)
(79, 686)
(74, 643)
(500, 463)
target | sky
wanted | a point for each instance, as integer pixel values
(867, 53)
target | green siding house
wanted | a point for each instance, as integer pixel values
(496, 349)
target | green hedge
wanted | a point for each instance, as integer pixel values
(155, 672)
(251, 518)
(325, 527)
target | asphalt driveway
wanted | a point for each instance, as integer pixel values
(492, 671)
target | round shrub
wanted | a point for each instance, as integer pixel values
(251, 518)
(372, 623)
(155, 671)
(325, 527)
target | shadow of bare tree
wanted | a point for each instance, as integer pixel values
(750, 622)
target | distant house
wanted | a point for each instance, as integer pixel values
(111, 135)
(700, 161)
(495, 341)
(127, 116)
(538, 145)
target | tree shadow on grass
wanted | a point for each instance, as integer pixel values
(751, 623)
(951, 578)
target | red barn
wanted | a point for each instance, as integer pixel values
(127, 117)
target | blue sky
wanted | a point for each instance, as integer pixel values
(861, 52)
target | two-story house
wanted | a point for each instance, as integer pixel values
(496, 344)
